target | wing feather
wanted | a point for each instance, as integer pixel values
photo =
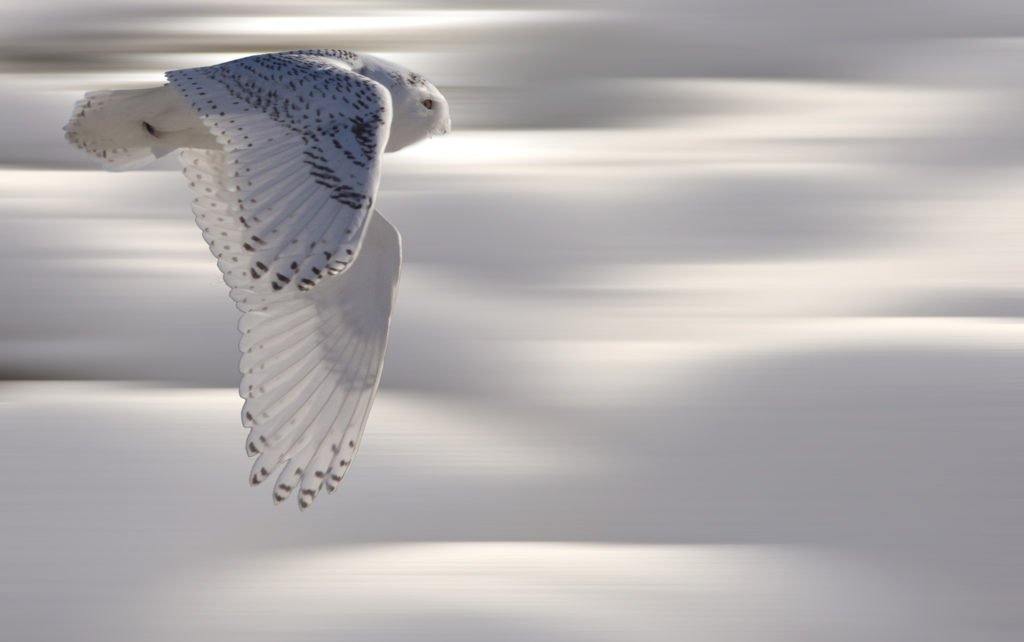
(301, 168)
(310, 264)
(311, 394)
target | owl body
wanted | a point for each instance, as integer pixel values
(127, 129)
(282, 155)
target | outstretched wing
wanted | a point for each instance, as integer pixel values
(286, 207)
(311, 363)
(302, 134)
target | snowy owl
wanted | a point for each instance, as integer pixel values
(282, 153)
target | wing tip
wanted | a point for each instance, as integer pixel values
(306, 498)
(281, 493)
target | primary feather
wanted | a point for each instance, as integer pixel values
(282, 153)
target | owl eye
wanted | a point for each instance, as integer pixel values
(428, 103)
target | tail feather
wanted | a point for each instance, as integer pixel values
(130, 128)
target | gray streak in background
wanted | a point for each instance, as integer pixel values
(710, 328)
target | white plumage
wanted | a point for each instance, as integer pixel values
(282, 152)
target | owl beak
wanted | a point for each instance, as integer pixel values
(445, 127)
(442, 128)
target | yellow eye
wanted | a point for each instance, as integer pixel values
(428, 103)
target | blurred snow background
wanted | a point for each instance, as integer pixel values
(710, 328)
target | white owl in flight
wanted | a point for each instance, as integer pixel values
(282, 152)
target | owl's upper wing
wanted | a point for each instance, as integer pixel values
(302, 135)
(286, 206)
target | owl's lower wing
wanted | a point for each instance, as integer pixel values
(311, 358)
(311, 363)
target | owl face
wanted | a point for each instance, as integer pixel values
(419, 109)
(419, 112)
